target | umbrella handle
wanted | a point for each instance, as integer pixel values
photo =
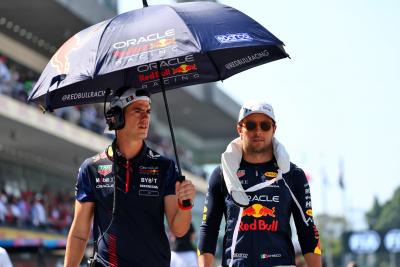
(145, 3)
(186, 203)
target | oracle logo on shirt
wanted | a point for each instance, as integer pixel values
(264, 198)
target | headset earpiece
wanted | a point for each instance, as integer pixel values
(115, 116)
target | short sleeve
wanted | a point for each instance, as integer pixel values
(171, 176)
(83, 189)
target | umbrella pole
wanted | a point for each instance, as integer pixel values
(186, 202)
(169, 119)
(171, 130)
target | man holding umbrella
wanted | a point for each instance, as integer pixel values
(258, 189)
(127, 189)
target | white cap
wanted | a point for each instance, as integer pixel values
(256, 106)
(129, 96)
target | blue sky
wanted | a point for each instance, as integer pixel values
(336, 98)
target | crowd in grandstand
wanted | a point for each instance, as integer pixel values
(45, 210)
(17, 82)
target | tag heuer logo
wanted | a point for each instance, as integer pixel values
(104, 169)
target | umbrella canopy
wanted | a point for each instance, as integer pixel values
(157, 47)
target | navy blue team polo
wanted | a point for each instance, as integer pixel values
(137, 235)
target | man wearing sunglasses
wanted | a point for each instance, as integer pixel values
(128, 190)
(257, 189)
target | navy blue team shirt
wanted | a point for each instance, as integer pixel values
(264, 235)
(137, 235)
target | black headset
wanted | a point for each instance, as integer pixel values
(115, 118)
(115, 115)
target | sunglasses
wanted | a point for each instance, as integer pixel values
(252, 125)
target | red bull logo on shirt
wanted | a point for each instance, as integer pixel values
(149, 170)
(258, 211)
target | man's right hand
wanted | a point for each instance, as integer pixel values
(206, 260)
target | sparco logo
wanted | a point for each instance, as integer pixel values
(234, 38)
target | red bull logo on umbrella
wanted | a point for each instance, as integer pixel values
(61, 59)
(181, 69)
(258, 211)
(162, 43)
(184, 68)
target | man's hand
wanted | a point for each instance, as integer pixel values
(179, 218)
(313, 260)
(185, 190)
(206, 260)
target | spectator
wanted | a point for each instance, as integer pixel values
(15, 212)
(70, 114)
(4, 258)
(38, 213)
(5, 74)
(88, 117)
(3, 208)
(25, 208)
(351, 264)
(182, 249)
